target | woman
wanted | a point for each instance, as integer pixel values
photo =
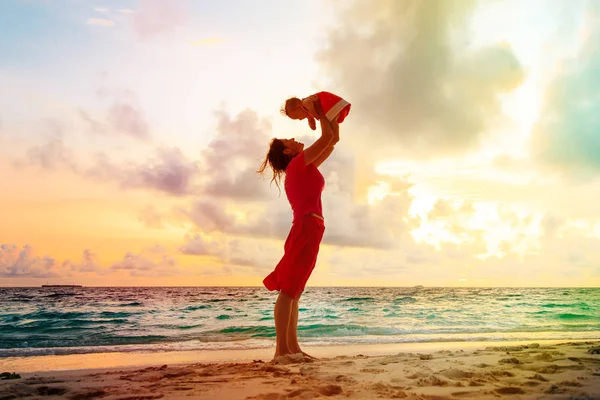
(303, 187)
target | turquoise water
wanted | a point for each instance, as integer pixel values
(36, 321)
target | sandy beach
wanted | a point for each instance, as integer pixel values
(568, 370)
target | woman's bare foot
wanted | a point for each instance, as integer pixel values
(288, 359)
(309, 357)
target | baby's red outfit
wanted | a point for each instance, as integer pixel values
(332, 105)
(303, 187)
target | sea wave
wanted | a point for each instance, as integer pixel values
(34, 320)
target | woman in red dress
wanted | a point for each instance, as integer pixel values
(303, 186)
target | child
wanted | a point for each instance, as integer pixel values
(334, 107)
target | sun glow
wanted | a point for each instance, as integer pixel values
(378, 192)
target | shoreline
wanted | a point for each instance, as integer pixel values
(108, 360)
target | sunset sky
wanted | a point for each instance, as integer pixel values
(131, 131)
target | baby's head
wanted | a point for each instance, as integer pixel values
(293, 108)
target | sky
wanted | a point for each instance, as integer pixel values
(131, 132)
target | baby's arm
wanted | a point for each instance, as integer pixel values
(310, 103)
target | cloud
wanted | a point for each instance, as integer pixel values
(157, 16)
(207, 41)
(127, 119)
(504, 240)
(566, 135)
(566, 249)
(100, 22)
(230, 160)
(18, 263)
(551, 224)
(230, 190)
(95, 127)
(147, 265)
(123, 116)
(416, 82)
(527, 246)
(357, 264)
(211, 216)
(568, 243)
(151, 218)
(196, 245)
(101, 9)
(258, 256)
(441, 209)
(227, 168)
(169, 172)
(52, 154)
(88, 263)
(231, 209)
(350, 223)
(231, 186)
(248, 255)
(269, 220)
(157, 249)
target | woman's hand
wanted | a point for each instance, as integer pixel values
(319, 109)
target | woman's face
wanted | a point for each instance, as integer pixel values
(292, 147)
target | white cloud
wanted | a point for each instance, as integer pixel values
(207, 41)
(231, 159)
(128, 119)
(169, 172)
(150, 264)
(100, 22)
(51, 153)
(19, 263)
(250, 255)
(88, 263)
(418, 86)
(157, 16)
(197, 245)
(151, 218)
(565, 138)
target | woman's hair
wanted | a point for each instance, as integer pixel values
(277, 160)
(290, 104)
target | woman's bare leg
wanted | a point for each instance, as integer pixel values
(292, 339)
(282, 315)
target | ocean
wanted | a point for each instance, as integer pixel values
(46, 321)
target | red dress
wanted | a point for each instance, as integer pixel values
(334, 105)
(303, 186)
